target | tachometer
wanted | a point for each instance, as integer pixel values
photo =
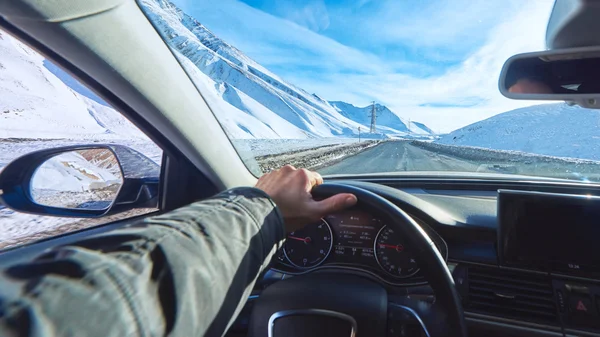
(392, 254)
(309, 247)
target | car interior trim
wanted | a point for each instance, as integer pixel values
(515, 330)
(415, 315)
(353, 270)
(304, 312)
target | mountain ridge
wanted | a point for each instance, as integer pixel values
(43, 101)
(231, 69)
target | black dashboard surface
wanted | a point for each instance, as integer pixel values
(462, 216)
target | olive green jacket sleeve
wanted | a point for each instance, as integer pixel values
(183, 273)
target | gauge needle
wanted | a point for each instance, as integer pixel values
(397, 247)
(305, 240)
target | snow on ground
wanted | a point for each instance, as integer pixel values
(76, 179)
(272, 122)
(314, 157)
(263, 147)
(35, 103)
(517, 162)
(72, 172)
(11, 149)
(549, 129)
(20, 228)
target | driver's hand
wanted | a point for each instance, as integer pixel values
(290, 190)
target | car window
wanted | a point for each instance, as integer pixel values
(386, 87)
(41, 106)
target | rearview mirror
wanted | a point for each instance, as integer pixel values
(80, 181)
(567, 74)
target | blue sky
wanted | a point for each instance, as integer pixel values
(435, 61)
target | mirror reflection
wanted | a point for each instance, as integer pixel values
(88, 178)
(537, 75)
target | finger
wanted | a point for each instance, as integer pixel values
(335, 203)
(312, 178)
(287, 168)
(315, 178)
(319, 179)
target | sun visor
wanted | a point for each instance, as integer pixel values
(55, 10)
(573, 24)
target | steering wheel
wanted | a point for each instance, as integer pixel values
(337, 304)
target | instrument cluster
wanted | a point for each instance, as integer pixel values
(354, 239)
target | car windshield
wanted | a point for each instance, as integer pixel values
(355, 87)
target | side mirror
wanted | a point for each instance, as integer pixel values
(80, 181)
(570, 75)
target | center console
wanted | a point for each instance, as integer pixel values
(549, 264)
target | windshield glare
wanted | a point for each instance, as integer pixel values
(358, 87)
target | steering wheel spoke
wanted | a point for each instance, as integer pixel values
(412, 316)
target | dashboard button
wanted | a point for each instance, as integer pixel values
(581, 308)
(580, 304)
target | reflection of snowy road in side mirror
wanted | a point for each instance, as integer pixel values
(87, 179)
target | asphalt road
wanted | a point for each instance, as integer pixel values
(395, 156)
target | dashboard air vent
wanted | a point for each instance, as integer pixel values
(511, 294)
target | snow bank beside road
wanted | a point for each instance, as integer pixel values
(482, 154)
(263, 147)
(555, 130)
(517, 162)
(314, 157)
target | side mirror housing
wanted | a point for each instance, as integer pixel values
(83, 181)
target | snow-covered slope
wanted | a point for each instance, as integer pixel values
(40, 101)
(34, 102)
(37, 104)
(387, 121)
(244, 93)
(423, 127)
(551, 129)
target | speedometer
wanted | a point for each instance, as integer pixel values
(309, 247)
(392, 254)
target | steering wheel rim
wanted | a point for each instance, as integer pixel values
(442, 318)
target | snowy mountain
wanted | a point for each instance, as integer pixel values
(37, 104)
(423, 127)
(39, 100)
(259, 104)
(387, 121)
(551, 129)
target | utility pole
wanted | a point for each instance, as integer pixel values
(409, 126)
(373, 119)
(359, 134)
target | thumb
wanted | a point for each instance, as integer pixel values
(335, 203)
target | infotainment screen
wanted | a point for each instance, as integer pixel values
(549, 231)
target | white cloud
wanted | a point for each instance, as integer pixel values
(476, 77)
(311, 14)
(435, 23)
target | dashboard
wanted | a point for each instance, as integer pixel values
(354, 240)
(516, 272)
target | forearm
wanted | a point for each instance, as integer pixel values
(183, 273)
(226, 259)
